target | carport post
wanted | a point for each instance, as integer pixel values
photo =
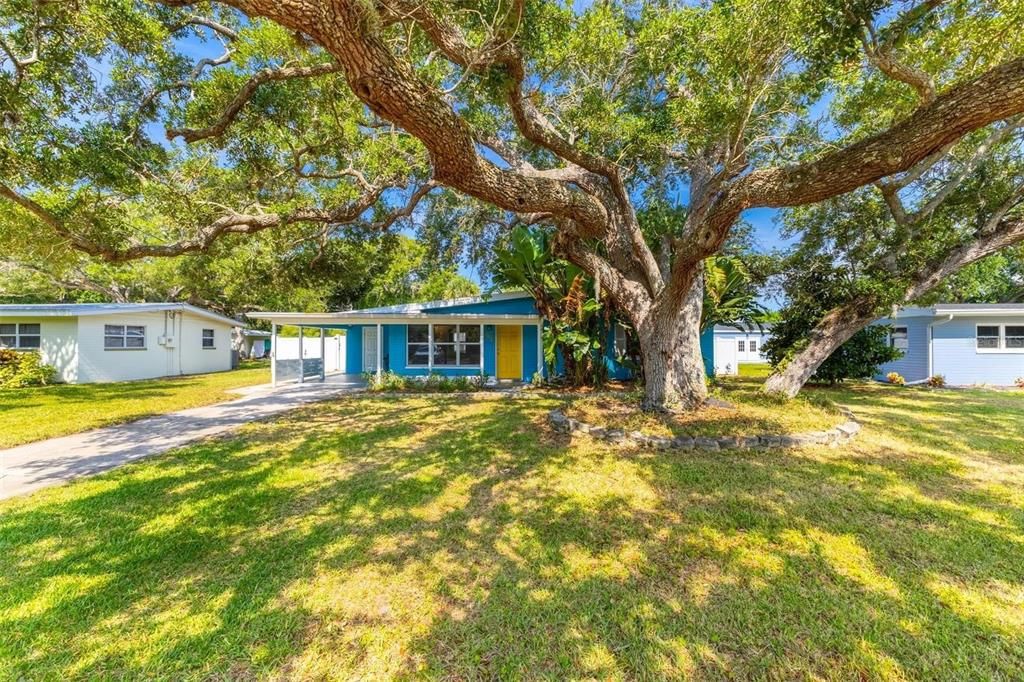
(302, 359)
(273, 355)
(378, 352)
(323, 357)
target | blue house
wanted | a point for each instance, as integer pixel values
(966, 343)
(495, 336)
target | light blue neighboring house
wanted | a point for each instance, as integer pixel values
(495, 336)
(968, 344)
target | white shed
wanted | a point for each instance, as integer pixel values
(735, 347)
(101, 342)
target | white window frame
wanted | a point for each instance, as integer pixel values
(124, 336)
(459, 346)
(19, 334)
(752, 345)
(1001, 346)
(741, 345)
(212, 338)
(906, 338)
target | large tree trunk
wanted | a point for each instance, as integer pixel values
(831, 332)
(670, 350)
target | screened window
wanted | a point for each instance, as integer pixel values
(899, 339)
(988, 337)
(753, 346)
(454, 345)
(208, 338)
(741, 345)
(1014, 337)
(19, 335)
(620, 340)
(124, 337)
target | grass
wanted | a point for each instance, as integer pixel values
(413, 537)
(31, 414)
(750, 413)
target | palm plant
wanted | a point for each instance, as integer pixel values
(729, 295)
(577, 319)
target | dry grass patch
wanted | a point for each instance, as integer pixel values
(749, 413)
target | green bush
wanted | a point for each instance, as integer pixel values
(432, 383)
(19, 369)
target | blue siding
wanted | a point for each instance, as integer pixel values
(956, 356)
(913, 366)
(510, 306)
(707, 350)
(529, 351)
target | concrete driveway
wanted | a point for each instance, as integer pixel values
(37, 465)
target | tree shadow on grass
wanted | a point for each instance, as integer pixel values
(461, 539)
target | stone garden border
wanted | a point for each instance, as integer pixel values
(839, 435)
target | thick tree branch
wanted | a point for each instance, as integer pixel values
(245, 94)
(233, 223)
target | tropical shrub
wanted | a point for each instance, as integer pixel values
(19, 369)
(895, 378)
(432, 383)
(937, 381)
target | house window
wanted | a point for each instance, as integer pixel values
(418, 345)
(454, 345)
(620, 341)
(988, 337)
(753, 346)
(124, 337)
(208, 338)
(995, 338)
(741, 345)
(899, 338)
(1014, 336)
(20, 335)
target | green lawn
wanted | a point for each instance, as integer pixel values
(381, 537)
(30, 414)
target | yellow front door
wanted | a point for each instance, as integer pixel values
(510, 351)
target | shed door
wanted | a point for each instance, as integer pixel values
(510, 351)
(369, 349)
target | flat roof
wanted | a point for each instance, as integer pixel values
(979, 309)
(86, 309)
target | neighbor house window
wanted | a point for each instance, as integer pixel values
(741, 345)
(899, 338)
(454, 345)
(19, 335)
(993, 338)
(208, 338)
(988, 337)
(1014, 336)
(121, 336)
(753, 346)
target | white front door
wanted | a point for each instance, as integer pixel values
(369, 349)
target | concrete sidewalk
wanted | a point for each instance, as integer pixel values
(37, 465)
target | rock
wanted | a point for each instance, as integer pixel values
(706, 443)
(748, 442)
(849, 429)
(682, 442)
(728, 442)
(598, 432)
(720, 404)
(771, 441)
(662, 443)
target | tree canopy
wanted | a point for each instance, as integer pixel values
(136, 130)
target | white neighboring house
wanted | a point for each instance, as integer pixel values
(100, 342)
(735, 347)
